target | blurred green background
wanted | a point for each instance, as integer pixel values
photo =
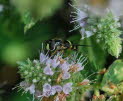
(51, 20)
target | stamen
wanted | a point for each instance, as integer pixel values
(75, 20)
(76, 27)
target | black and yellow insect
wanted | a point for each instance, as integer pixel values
(56, 45)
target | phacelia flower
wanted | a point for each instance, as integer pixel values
(43, 58)
(55, 62)
(48, 71)
(66, 75)
(48, 62)
(37, 93)
(58, 88)
(78, 17)
(50, 77)
(80, 67)
(65, 66)
(46, 87)
(24, 84)
(31, 89)
(53, 90)
(67, 88)
(83, 21)
(99, 7)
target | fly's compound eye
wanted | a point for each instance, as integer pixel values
(67, 44)
(49, 44)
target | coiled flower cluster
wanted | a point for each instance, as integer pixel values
(84, 20)
(52, 76)
(106, 28)
(108, 32)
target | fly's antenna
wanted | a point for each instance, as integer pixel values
(84, 45)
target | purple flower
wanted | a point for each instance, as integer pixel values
(43, 58)
(46, 87)
(24, 84)
(47, 94)
(49, 62)
(55, 62)
(48, 71)
(83, 23)
(64, 67)
(80, 67)
(66, 75)
(38, 93)
(67, 88)
(31, 89)
(47, 90)
(53, 90)
(58, 88)
(81, 16)
(88, 33)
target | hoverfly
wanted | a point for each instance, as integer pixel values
(57, 45)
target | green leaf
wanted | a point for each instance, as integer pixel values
(28, 21)
(95, 53)
(114, 74)
(32, 10)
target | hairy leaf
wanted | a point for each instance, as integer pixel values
(114, 74)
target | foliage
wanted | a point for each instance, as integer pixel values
(33, 11)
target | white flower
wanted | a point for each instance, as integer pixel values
(31, 89)
(67, 88)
